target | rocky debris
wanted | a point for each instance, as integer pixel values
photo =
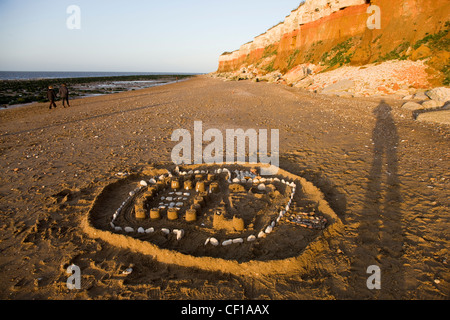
(402, 79)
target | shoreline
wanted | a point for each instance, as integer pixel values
(14, 106)
(13, 92)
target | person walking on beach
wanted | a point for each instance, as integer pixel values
(64, 94)
(51, 96)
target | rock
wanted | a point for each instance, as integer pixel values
(440, 117)
(143, 183)
(408, 97)
(128, 229)
(150, 230)
(207, 241)
(118, 228)
(238, 240)
(441, 95)
(412, 106)
(261, 234)
(165, 230)
(180, 234)
(152, 181)
(262, 187)
(341, 85)
(429, 104)
(214, 241)
(420, 96)
(140, 230)
(227, 243)
(251, 238)
(268, 230)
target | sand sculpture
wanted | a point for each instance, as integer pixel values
(185, 194)
(214, 217)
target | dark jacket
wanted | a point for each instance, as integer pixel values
(51, 95)
(63, 92)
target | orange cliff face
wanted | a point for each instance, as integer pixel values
(334, 33)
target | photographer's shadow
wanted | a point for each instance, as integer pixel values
(380, 232)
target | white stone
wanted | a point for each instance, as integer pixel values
(165, 230)
(143, 183)
(179, 204)
(236, 180)
(251, 238)
(128, 229)
(152, 181)
(140, 230)
(268, 229)
(238, 240)
(261, 234)
(214, 241)
(262, 187)
(227, 243)
(150, 230)
(180, 234)
(207, 241)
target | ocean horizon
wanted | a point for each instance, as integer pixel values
(36, 75)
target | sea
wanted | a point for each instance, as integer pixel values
(33, 75)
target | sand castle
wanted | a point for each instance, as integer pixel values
(219, 196)
(214, 217)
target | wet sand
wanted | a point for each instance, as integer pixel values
(383, 173)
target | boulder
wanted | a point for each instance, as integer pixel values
(413, 106)
(441, 95)
(438, 117)
(430, 104)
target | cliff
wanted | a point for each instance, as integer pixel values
(323, 35)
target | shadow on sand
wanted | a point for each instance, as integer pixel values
(380, 233)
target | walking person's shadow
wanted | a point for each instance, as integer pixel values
(380, 232)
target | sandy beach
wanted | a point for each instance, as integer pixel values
(383, 173)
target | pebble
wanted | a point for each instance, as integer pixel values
(268, 229)
(214, 241)
(129, 229)
(165, 230)
(262, 187)
(180, 234)
(251, 238)
(238, 240)
(227, 243)
(143, 183)
(261, 234)
(150, 230)
(118, 228)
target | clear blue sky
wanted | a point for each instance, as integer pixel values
(131, 35)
